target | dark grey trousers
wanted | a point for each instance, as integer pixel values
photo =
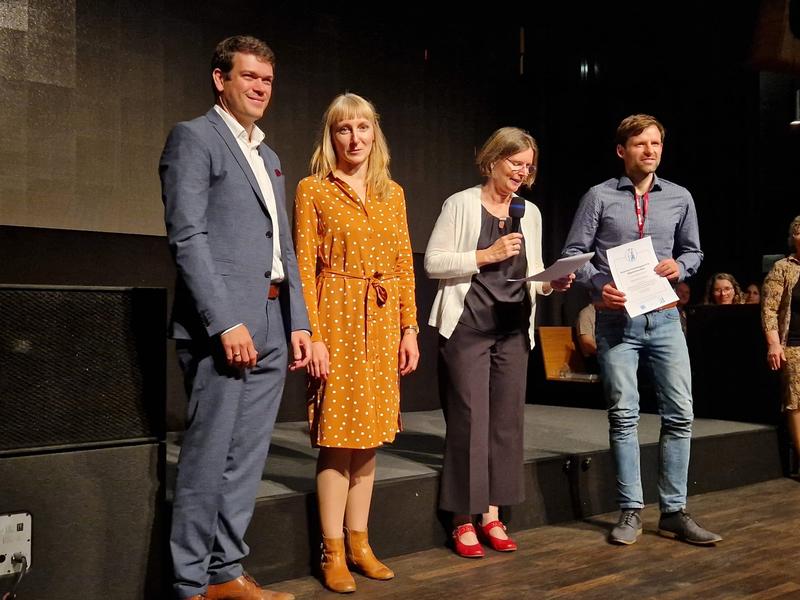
(483, 382)
(230, 420)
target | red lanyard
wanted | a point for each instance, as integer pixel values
(641, 211)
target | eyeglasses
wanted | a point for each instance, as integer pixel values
(518, 167)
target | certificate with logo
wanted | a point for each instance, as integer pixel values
(632, 267)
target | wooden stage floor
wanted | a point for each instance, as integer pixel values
(758, 559)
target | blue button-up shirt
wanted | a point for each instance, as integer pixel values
(606, 218)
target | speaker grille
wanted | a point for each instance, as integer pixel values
(80, 365)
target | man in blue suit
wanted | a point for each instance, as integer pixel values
(238, 311)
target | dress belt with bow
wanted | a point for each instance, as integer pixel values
(375, 281)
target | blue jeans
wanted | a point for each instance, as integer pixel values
(658, 340)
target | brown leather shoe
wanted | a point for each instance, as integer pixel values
(243, 588)
(360, 556)
(335, 574)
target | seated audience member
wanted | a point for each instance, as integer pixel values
(723, 288)
(684, 293)
(584, 332)
(752, 294)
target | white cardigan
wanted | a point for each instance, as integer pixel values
(450, 257)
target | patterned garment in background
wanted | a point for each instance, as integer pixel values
(776, 302)
(791, 378)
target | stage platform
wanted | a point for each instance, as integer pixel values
(569, 475)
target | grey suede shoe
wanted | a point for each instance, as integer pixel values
(681, 526)
(628, 528)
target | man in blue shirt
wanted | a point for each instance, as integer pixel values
(618, 211)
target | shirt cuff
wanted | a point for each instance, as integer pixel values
(231, 328)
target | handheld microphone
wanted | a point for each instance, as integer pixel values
(516, 211)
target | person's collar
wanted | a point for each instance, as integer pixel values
(625, 183)
(238, 130)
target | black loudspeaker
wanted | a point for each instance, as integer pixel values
(82, 407)
(99, 523)
(80, 366)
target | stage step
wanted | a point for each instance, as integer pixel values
(569, 475)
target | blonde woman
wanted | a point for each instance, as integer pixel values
(355, 261)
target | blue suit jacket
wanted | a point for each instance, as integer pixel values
(220, 234)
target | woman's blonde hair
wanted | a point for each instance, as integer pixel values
(352, 106)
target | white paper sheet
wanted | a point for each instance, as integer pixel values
(561, 268)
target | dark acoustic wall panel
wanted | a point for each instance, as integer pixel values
(420, 390)
(794, 18)
(80, 366)
(730, 377)
(99, 523)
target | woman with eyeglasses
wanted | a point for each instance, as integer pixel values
(722, 289)
(484, 236)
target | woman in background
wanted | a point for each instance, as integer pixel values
(722, 288)
(752, 294)
(780, 318)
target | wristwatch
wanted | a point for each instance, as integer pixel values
(413, 328)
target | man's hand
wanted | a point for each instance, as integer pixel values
(239, 349)
(408, 353)
(319, 365)
(613, 299)
(301, 350)
(668, 268)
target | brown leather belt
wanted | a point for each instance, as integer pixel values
(274, 291)
(599, 306)
(668, 306)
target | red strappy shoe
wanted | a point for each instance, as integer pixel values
(497, 543)
(465, 550)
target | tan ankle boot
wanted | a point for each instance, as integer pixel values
(360, 556)
(335, 575)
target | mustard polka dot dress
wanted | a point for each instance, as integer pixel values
(357, 271)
